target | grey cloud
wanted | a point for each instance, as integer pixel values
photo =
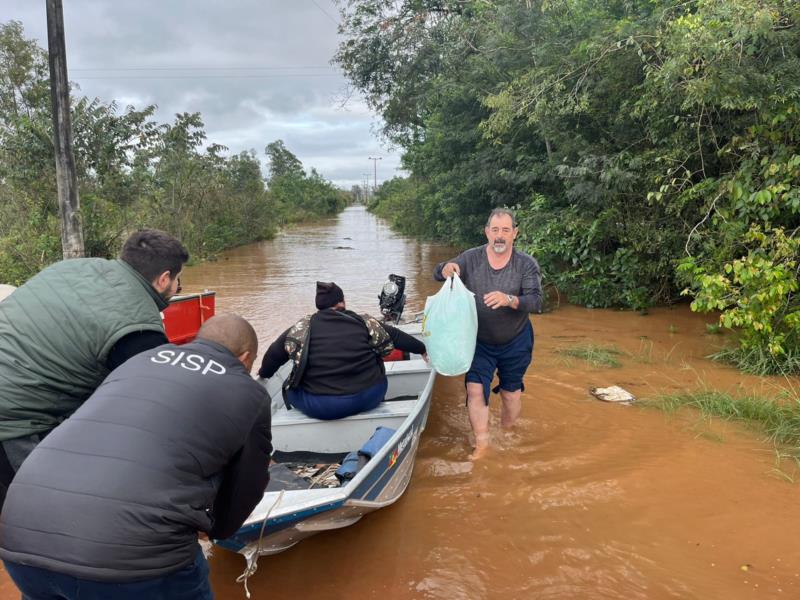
(244, 65)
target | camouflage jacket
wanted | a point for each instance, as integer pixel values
(299, 335)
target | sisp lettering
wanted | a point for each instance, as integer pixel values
(190, 362)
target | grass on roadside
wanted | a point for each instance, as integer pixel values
(597, 356)
(759, 361)
(778, 419)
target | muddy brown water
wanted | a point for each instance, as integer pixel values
(583, 500)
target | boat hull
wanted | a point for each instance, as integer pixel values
(283, 519)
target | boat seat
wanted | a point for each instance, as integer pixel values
(293, 431)
(388, 408)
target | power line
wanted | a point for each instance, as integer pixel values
(325, 12)
(275, 76)
(208, 72)
(204, 68)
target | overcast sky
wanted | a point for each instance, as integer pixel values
(257, 71)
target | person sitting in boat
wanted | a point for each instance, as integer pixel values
(67, 327)
(338, 369)
(174, 442)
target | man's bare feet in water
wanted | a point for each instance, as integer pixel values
(481, 447)
(478, 453)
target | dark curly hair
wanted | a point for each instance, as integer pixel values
(151, 252)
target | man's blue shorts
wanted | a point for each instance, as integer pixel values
(510, 360)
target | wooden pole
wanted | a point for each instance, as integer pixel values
(66, 179)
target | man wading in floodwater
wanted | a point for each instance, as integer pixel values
(507, 287)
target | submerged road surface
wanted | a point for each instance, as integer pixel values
(583, 500)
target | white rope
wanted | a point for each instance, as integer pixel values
(252, 560)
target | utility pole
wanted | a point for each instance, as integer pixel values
(66, 179)
(365, 181)
(375, 171)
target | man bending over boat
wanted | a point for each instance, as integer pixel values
(64, 329)
(507, 287)
(174, 442)
(337, 360)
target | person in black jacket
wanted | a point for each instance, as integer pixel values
(342, 372)
(175, 442)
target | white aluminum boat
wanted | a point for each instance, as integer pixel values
(293, 508)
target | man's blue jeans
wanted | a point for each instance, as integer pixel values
(189, 583)
(325, 407)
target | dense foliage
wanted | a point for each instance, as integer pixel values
(651, 146)
(296, 195)
(132, 172)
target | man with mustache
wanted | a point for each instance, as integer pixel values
(507, 287)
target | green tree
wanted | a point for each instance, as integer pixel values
(132, 172)
(648, 144)
(281, 161)
(297, 196)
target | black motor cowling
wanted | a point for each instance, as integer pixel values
(393, 299)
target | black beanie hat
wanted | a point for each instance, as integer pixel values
(328, 294)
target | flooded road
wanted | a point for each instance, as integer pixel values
(273, 283)
(583, 500)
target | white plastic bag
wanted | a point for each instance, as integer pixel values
(450, 328)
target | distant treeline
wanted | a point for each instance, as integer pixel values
(651, 146)
(132, 173)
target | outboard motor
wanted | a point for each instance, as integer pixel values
(393, 298)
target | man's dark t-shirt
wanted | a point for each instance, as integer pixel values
(520, 277)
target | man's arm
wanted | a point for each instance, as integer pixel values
(458, 260)
(403, 341)
(275, 357)
(244, 480)
(530, 298)
(133, 344)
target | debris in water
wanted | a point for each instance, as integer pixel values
(342, 247)
(613, 394)
(447, 468)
